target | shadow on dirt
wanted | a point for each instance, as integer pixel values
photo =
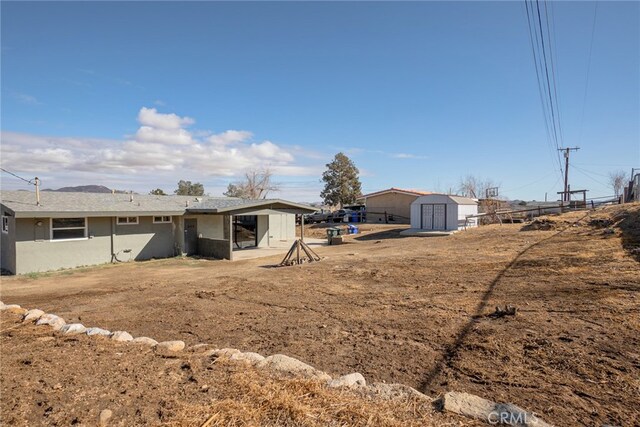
(382, 235)
(630, 228)
(451, 351)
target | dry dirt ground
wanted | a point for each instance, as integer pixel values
(412, 310)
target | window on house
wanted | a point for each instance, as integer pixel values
(68, 228)
(5, 224)
(127, 220)
(161, 219)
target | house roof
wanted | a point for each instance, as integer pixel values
(396, 190)
(55, 204)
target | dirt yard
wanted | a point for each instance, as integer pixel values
(413, 310)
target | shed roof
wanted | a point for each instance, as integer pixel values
(395, 190)
(459, 200)
(23, 204)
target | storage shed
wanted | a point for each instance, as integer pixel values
(442, 212)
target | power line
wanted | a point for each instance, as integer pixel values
(586, 83)
(28, 181)
(533, 37)
(585, 173)
(545, 67)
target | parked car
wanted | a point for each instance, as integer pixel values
(318, 216)
(341, 215)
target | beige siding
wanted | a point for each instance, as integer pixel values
(397, 205)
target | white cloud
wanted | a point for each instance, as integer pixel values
(151, 117)
(230, 137)
(161, 149)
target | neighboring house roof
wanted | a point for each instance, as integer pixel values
(23, 204)
(395, 190)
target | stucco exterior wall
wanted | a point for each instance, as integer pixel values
(35, 251)
(8, 245)
(396, 204)
(263, 230)
(146, 240)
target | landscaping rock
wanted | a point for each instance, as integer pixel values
(56, 322)
(2, 305)
(222, 352)
(200, 347)
(249, 356)
(32, 315)
(105, 416)
(286, 364)
(15, 309)
(145, 340)
(352, 380)
(8, 306)
(73, 329)
(494, 413)
(98, 331)
(121, 336)
(171, 346)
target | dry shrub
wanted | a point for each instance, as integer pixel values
(251, 398)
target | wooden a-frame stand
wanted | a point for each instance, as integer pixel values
(300, 252)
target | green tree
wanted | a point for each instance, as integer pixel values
(158, 192)
(342, 185)
(187, 188)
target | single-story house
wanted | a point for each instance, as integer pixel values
(442, 212)
(66, 230)
(392, 205)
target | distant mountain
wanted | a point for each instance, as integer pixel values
(85, 189)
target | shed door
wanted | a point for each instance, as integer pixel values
(439, 217)
(427, 217)
(434, 217)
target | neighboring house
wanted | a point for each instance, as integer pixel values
(74, 229)
(441, 212)
(390, 206)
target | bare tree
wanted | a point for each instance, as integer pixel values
(256, 184)
(617, 180)
(472, 186)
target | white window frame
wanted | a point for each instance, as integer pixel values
(127, 218)
(85, 228)
(162, 221)
(5, 224)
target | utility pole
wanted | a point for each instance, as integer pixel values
(565, 195)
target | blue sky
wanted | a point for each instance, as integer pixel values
(140, 95)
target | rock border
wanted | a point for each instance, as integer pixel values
(460, 403)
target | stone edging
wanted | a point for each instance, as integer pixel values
(459, 403)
